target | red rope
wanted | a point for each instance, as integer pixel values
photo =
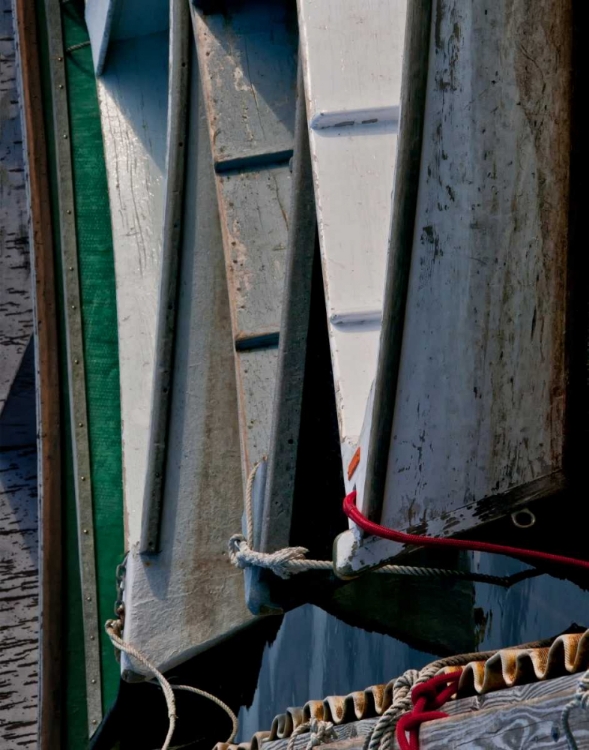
(376, 529)
(427, 698)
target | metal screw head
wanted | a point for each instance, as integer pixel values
(60, 85)
(60, 59)
(76, 361)
(65, 136)
(93, 681)
(94, 721)
(73, 307)
(69, 209)
(89, 599)
(91, 637)
(84, 531)
(80, 424)
(83, 478)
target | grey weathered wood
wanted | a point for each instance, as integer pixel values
(527, 716)
(189, 596)
(286, 419)
(479, 415)
(531, 719)
(247, 58)
(19, 574)
(48, 400)
(254, 206)
(405, 190)
(133, 100)
(171, 244)
(16, 305)
(480, 409)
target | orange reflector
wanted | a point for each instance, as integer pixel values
(353, 465)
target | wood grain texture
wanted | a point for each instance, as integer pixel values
(16, 304)
(247, 58)
(47, 379)
(521, 718)
(531, 718)
(275, 518)
(203, 502)
(481, 395)
(19, 596)
(380, 410)
(133, 103)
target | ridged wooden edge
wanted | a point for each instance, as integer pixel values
(47, 378)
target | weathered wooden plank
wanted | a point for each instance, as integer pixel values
(133, 106)
(480, 405)
(352, 62)
(527, 716)
(275, 518)
(47, 379)
(189, 596)
(380, 411)
(247, 56)
(19, 580)
(250, 204)
(16, 306)
(248, 59)
(480, 410)
(531, 722)
(180, 34)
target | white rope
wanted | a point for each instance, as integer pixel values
(283, 563)
(292, 560)
(319, 731)
(581, 700)
(113, 630)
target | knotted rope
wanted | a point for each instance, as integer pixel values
(580, 700)
(427, 698)
(292, 560)
(320, 732)
(382, 736)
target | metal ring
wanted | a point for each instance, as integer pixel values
(523, 519)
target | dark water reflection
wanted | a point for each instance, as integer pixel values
(315, 654)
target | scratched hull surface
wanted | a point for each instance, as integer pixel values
(188, 597)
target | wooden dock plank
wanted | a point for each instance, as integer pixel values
(16, 303)
(523, 717)
(19, 565)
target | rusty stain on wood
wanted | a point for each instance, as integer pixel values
(480, 409)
